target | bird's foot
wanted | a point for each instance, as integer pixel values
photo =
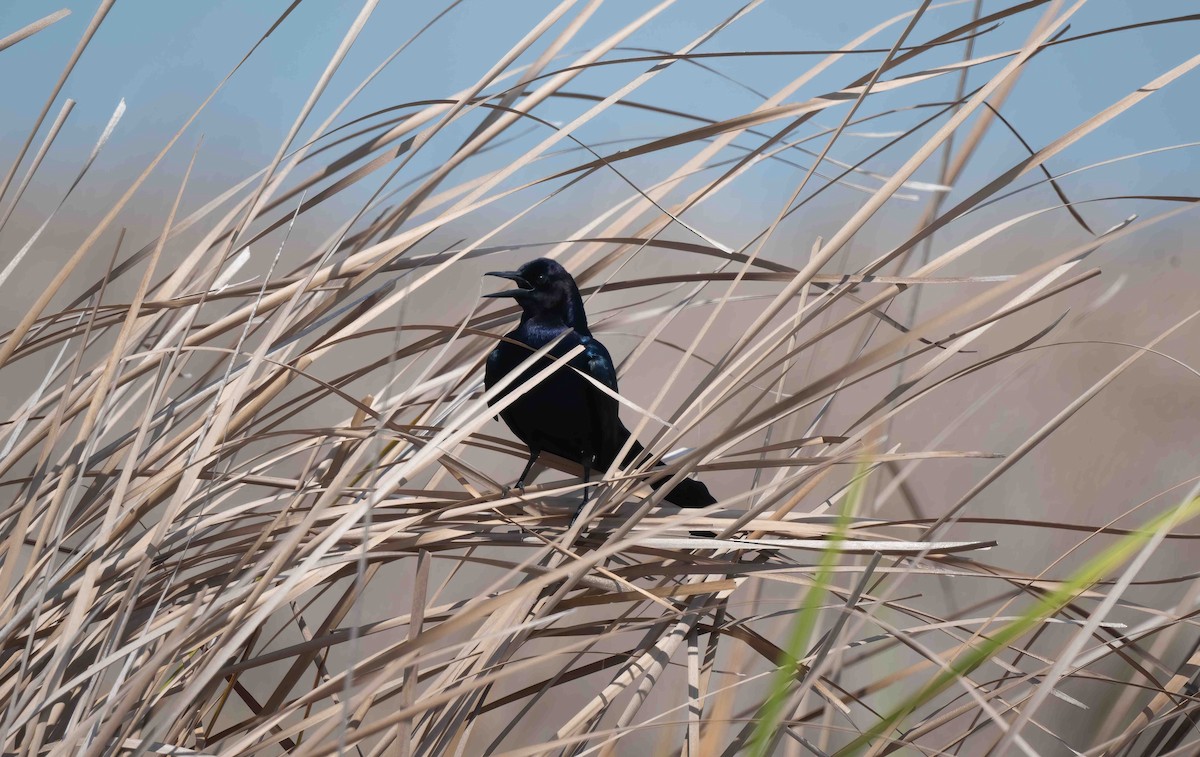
(575, 515)
(583, 532)
(507, 491)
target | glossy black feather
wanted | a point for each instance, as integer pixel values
(565, 414)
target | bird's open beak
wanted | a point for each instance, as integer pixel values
(524, 285)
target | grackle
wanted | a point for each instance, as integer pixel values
(565, 414)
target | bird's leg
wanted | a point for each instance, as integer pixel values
(589, 460)
(534, 452)
(587, 477)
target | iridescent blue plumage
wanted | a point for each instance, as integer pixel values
(565, 414)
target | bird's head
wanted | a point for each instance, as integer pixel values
(543, 288)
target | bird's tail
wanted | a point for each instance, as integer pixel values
(687, 493)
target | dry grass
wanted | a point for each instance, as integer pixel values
(269, 516)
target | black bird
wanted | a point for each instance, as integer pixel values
(565, 414)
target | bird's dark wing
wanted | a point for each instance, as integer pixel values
(600, 363)
(607, 430)
(493, 371)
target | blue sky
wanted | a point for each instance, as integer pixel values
(164, 57)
